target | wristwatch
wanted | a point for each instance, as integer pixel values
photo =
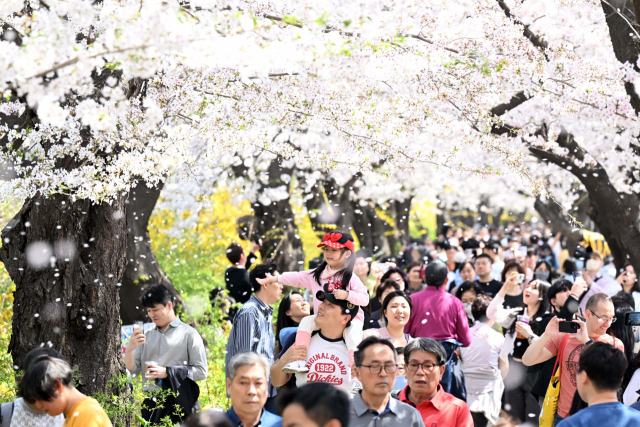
(589, 342)
(531, 338)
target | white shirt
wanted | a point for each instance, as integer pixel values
(481, 371)
(609, 284)
(328, 361)
(24, 416)
(630, 396)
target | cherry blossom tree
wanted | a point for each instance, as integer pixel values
(98, 98)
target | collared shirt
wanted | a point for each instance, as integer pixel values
(266, 420)
(178, 345)
(395, 414)
(253, 331)
(439, 315)
(442, 410)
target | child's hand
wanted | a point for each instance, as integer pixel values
(340, 294)
(269, 279)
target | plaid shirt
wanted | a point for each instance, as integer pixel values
(253, 331)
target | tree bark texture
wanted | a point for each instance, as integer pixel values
(71, 302)
(275, 224)
(142, 268)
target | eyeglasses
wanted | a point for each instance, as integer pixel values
(376, 369)
(604, 319)
(427, 366)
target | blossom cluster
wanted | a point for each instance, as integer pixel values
(400, 91)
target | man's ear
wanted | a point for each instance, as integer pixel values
(442, 369)
(346, 319)
(170, 305)
(228, 384)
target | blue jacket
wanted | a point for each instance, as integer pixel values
(266, 420)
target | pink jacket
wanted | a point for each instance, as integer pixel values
(358, 293)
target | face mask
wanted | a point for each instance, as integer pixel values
(542, 275)
(467, 309)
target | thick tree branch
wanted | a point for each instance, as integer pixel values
(623, 30)
(515, 101)
(536, 40)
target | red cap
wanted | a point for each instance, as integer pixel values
(331, 240)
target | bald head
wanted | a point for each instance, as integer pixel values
(436, 274)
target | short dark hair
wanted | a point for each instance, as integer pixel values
(42, 376)
(157, 294)
(436, 273)
(595, 299)
(388, 299)
(479, 307)
(210, 418)
(321, 401)
(413, 265)
(234, 252)
(34, 355)
(468, 286)
(604, 364)
(386, 285)
(260, 272)
(510, 265)
(558, 286)
(492, 246)
(484, 256)
(386, 276)
(532, 250)
(358, 356)
(426, 344)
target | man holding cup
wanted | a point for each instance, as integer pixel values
(173, 355)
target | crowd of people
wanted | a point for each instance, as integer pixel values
(477, 328)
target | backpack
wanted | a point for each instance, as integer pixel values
(6, 413)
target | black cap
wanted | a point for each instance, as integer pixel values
(325, 294)
(436, 272)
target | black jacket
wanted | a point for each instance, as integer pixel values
(180, 381)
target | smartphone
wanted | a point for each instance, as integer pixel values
(520, 279)
(577, 274)
(569, 327)
(384, 267)
(632, 319)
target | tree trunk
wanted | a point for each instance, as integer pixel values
(142, 265)
(277, 228)
(369, 228)
(70, 302)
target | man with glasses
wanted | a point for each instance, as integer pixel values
(376, 367)
(599, 316)
(424, 365)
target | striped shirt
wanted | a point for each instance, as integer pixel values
(253, 331)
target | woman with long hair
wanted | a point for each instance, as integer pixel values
(513, 297)
(293, 308)
(521, 328)
(468, 292)
(544, 271)
(630, 285)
